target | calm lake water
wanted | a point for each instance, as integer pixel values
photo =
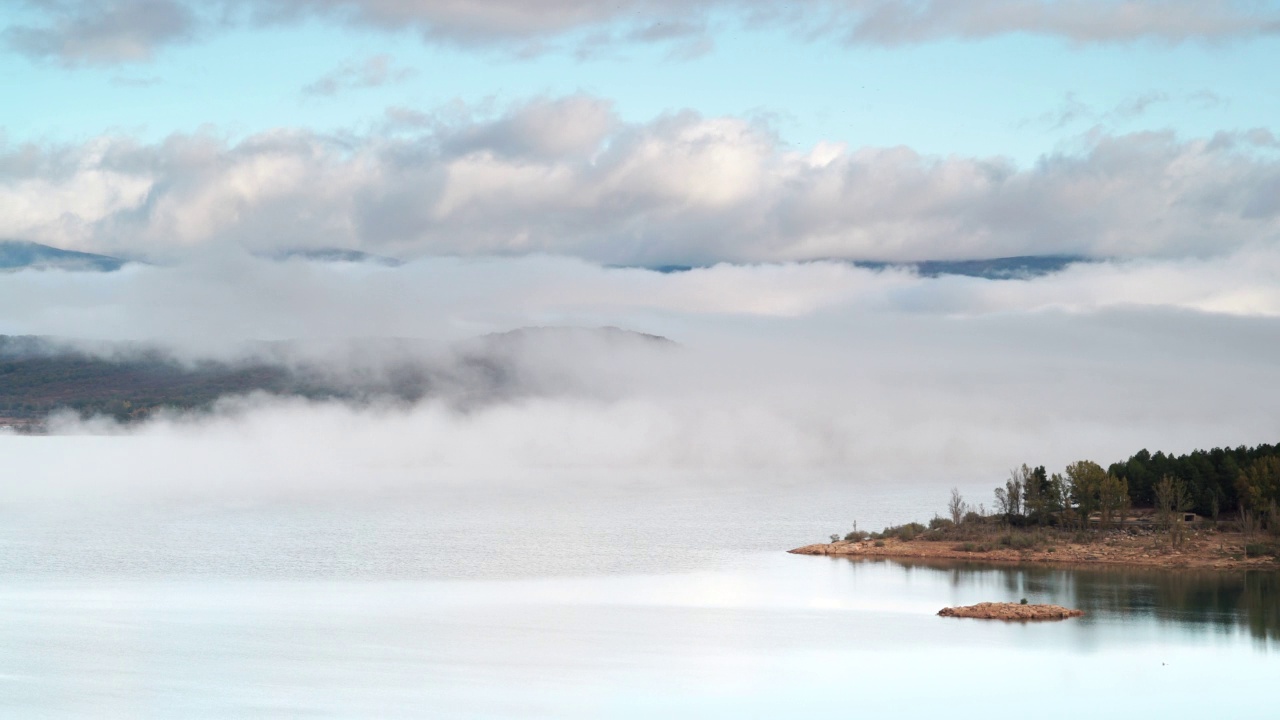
(621, 603)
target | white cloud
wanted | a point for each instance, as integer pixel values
(77, 31)
(213, 304)
(566, 176)
(375, 71)
(98, 32)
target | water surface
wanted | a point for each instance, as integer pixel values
(604, 605)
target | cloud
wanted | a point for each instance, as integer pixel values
(375, 71)
(93, 32)
(1073, 110)
(215, 305)
(1081, 21)
(791, 369)
(568, 177)
(857, 21)
(1135, 106)
(78, 31)
(787, 368)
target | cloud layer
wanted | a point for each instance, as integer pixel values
(83, 31)
(781, 371)
(566, 176)
(854, 387)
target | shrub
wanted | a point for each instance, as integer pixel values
(1260, 549)
(879, 543)
(904, 532)
(1023, 602)
(940, 523)
(857, 536)
(835, 538)
(1020, 541)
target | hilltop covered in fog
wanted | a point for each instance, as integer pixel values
(41, 375)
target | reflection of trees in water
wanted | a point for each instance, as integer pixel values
(1224, 600)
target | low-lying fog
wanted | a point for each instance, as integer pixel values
(776, 373)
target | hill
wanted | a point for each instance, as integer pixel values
(40, 376)
(20, 255)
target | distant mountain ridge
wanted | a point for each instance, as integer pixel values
(21, 255)
(337, 255)
(1003, 268)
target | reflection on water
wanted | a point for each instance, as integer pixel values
(1228, 600)
(772, 635)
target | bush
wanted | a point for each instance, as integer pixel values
(1020, 541)
(904, 532)
(857, 536)
(973, 518)
(940, 523)
(1261, 549)
(879, 543)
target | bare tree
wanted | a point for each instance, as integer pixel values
(1249, 523)
(1002, 506)
(957, 507)
(1016, 488)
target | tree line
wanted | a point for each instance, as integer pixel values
(1243, 482)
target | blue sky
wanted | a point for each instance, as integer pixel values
(1012, 95)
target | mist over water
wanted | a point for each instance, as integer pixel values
(483, 358)
(565, 521)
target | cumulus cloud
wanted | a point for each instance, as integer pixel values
(375, 71)
(568, 177)
(123, 30)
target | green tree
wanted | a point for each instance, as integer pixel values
(1258, 485)
(1113, 499)
(1037, 494)
(1084, 480)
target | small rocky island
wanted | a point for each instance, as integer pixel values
(1011, 611)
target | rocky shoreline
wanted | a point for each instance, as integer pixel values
(1218, 551)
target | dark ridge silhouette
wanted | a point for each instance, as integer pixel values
(40, 376)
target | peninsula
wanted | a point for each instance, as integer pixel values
(1211, 509)
(1205, 550)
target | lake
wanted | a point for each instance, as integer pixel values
(590, 602)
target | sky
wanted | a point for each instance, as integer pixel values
(533, 164)
(645, 132)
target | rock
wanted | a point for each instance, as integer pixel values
(1011, 611)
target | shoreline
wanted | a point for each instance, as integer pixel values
(1220, 551)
